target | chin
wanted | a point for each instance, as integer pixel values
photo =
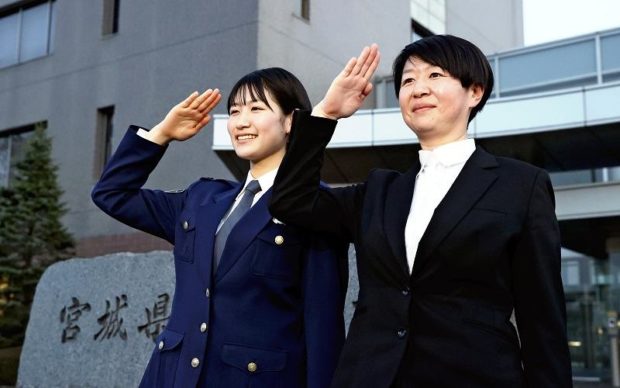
(243, 154)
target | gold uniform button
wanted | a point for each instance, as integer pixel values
(279, 240)
(161, 345)
(195, 362)
(203, 327)
(185, 225)
(252, 367)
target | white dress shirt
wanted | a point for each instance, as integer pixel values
(439, 170)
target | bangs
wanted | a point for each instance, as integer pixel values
(251, 86)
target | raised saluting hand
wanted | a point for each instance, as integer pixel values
(351, 87)
(185, 119)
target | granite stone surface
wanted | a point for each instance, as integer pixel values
(93, 321)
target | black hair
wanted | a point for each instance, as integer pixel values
(282, 85)
(459, 57)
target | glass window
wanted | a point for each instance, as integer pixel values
(391, 101)
(50, 43)
(110, 17)
(303, 9)
(25, 34)
(18, 151)
(35, 27)
(103, 139)
(4, 161)
(610, 52)
(12, 151)
(9, 31)
(547, 68)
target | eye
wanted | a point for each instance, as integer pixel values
(435, 75)
(407, 81)
(233, 111)
(256, 108)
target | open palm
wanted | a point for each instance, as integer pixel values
(187, 118)
(350, 88)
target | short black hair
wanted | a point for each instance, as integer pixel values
(459, 57)
(287, 91)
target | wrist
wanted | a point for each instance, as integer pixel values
(319, 111)
(156, 135)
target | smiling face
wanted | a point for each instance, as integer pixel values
(258, 131)
(434, 104)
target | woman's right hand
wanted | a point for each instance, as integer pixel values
(185, 119)
(350, 88)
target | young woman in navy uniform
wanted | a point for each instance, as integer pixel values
(257, 303)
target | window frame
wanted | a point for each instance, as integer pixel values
(19, 9)
(110, 17)
(10, 134)
(104, 133)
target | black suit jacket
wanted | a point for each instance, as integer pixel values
(491, 247)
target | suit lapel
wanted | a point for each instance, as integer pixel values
(209, 215)
(243, 233)
(397, 206)
(472, 182)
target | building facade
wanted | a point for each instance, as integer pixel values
(87, 70)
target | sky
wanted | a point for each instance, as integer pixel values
(547, 20)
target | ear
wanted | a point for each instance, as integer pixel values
(476, 91)
(288, 122)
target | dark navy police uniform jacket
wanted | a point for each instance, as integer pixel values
(271, 315)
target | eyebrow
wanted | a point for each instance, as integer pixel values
(244, 102)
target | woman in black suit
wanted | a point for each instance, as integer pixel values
(446, 251)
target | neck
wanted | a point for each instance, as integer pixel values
(260, 168)
(432, 143)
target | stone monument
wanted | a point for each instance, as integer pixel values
(94, 321)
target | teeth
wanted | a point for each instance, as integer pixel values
(246, 137)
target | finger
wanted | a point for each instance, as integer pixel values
(372, 55)
(210, 102)
(367, 89)
(360, 60)
(185, 103)
(212, 105)
(373, 67)
(348, 67)
(196, 103)
(204, 121)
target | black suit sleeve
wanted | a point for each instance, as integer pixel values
(298, 198)
(540, 309)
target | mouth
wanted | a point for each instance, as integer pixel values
(246, 137)
(422, 108)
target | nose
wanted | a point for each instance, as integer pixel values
(242, 120)
(419, 89)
